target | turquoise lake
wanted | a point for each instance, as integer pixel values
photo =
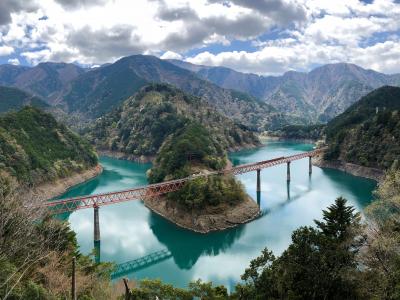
(130, 231)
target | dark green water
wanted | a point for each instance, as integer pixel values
(130, 231)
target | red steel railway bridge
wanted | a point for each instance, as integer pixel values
(158, 189)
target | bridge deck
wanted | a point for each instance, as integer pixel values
(154, 190)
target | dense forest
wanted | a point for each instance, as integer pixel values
(300, 132)
(14, 99)
(143, 122)
(194, 150)
(34, 148)
(368, 132)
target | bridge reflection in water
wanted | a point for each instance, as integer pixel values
(140, 263)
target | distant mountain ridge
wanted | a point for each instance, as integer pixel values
(100, 90)
(14, 99)
(46, 80)
(318, 95)
(90, 93)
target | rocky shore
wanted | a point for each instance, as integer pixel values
(353, 169)
(216, 218)
(58, 187)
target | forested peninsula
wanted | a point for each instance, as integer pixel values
(182, 135)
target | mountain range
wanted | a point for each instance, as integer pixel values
(93, 92)
(258, 102)
(318, 95)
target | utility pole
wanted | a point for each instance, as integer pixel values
(73, 285)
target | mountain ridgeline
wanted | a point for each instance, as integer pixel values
(368, 132)
(90, 93)
(144, 121)
(319, 95)
(14, 99)
(35, 149)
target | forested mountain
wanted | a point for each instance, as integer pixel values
(46, 80)
(101, 89)
(318, 95)
(142, 123)
(34, 149)
(368, 132)
(14, 99)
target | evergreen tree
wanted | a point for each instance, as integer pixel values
(319, 264)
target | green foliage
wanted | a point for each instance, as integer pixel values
(193, 150)
(150, 289)
(209, 191)
(193, 144)
(14, 99)
(308, 132)
(34, 148)
(381, 256)
(368, 132)
(144, 121)
(319, 264)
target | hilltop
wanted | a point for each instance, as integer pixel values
(46, 80)
(139, 126)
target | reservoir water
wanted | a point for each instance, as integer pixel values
(130, 231)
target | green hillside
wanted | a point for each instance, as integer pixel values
(34, 148)
(368, 132)
(14, 99)
(143, 122)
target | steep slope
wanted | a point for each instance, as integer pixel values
(99, 90)
(14, 99)
(143, 122)
(35, 149)
(368, 132)
(46, 80)
(318, 95)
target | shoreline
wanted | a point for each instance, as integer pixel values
(346, 167)
(50, 190)
(149, 159)
(350, 168)
(266, 138)
(204, 222)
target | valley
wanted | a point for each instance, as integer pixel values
(143, 120)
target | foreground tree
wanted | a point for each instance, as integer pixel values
(319, 264)
(380, 257)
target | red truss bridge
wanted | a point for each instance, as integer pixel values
(158, 189)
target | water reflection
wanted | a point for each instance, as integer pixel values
(130, 231)
(97, 251)
(186, 247)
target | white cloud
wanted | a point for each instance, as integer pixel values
(171, 55)
(14, 61)
(6, 50)
(304, 32)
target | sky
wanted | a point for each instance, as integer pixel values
(266, 37)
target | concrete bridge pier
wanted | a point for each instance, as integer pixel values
(310, 165)
(258, 180)
(96, 224)
(288, 171)
(96, 235)
(288, 190)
